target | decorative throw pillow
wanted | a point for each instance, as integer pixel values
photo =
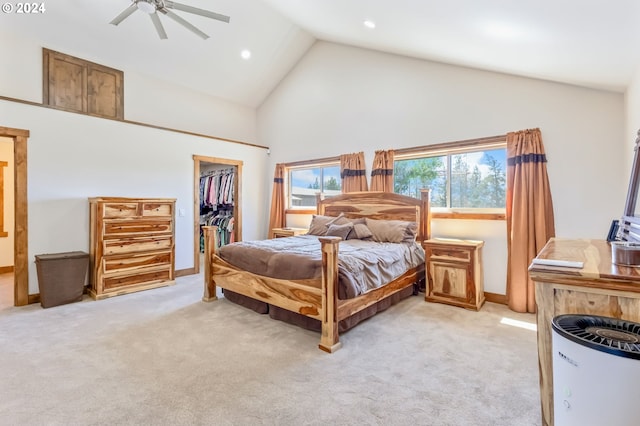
(338, 220)
(392, 231)
(342, 220)
(361, 232)
(341, 231)
(318, 225)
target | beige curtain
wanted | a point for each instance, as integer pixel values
(353, 172)
(277, 217)
(530, 221)
(382, 171)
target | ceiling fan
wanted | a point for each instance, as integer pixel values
(152, 7)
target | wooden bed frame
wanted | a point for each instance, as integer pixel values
(318, 298)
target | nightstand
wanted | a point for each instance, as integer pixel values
(454, 272)
(287, 232)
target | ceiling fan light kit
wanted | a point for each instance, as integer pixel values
(146, 6)
(152, 7)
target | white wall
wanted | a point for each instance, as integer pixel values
(72, 157)
(343, 99)
(632, 99)
(146, 99)
(6, 243)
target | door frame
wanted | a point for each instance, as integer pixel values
(237, 194)
(20, 206)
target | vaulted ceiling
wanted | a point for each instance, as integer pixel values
(590, 43)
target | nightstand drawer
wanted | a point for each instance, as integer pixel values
(288, 232)
(453, 254)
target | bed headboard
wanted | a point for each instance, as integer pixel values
(381, 205)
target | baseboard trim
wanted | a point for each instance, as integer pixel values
(185, 272)
(34, 298)
(6, 269)
(496, 298)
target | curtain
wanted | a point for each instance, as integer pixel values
(530, 221)
(382, 171)
(277, 217)
(353, 172)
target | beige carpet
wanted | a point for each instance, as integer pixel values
(163, 357)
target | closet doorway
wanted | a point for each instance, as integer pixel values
(19, 138)
(222, 205)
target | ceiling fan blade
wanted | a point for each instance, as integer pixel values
(124, 14)
(184, 23)
(196, 11)
(159, 28)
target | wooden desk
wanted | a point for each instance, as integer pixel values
(599, 288)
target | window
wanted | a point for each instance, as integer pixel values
(462, 179)
(305, 182)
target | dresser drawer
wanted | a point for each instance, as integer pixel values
(129, 245)
(452, 254)
(135, 262)
(120, 209)
(157, 209)
(150, 277)
(140, 226)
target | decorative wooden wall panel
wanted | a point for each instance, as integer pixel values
(73, 84)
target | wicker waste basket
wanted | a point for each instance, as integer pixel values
(61, 277)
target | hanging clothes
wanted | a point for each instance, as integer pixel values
(217, 188)
(217, 204)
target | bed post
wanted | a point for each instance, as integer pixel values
(329, 341)
(425, 209)
(210, 244)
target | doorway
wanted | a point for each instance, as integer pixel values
(19, 138)
(200, 163)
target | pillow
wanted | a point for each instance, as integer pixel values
(341, 231)
(392, 231)
(342, 220)
(360, 231)
(338, 220)
(318, 225)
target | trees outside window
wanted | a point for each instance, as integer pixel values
(467, 180)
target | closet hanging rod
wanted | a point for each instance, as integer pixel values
(217, 172)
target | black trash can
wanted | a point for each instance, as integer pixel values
(61, 277)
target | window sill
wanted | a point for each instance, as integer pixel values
(301, 211)
(469, 216)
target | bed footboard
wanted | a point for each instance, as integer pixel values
(210, 245)
(329, 341)
(291, 295)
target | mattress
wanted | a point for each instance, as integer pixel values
(362, 265)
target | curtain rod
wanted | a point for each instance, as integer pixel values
(315, 161)
(455, 144)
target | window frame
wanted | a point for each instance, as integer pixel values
(449, 149)
(310, 164)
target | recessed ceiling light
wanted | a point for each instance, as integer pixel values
(369, 24)
(246, 54)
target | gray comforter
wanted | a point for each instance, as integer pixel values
(362, 265)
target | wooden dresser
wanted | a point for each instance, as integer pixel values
(600, 287)
(454, 271)
(132, 245)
